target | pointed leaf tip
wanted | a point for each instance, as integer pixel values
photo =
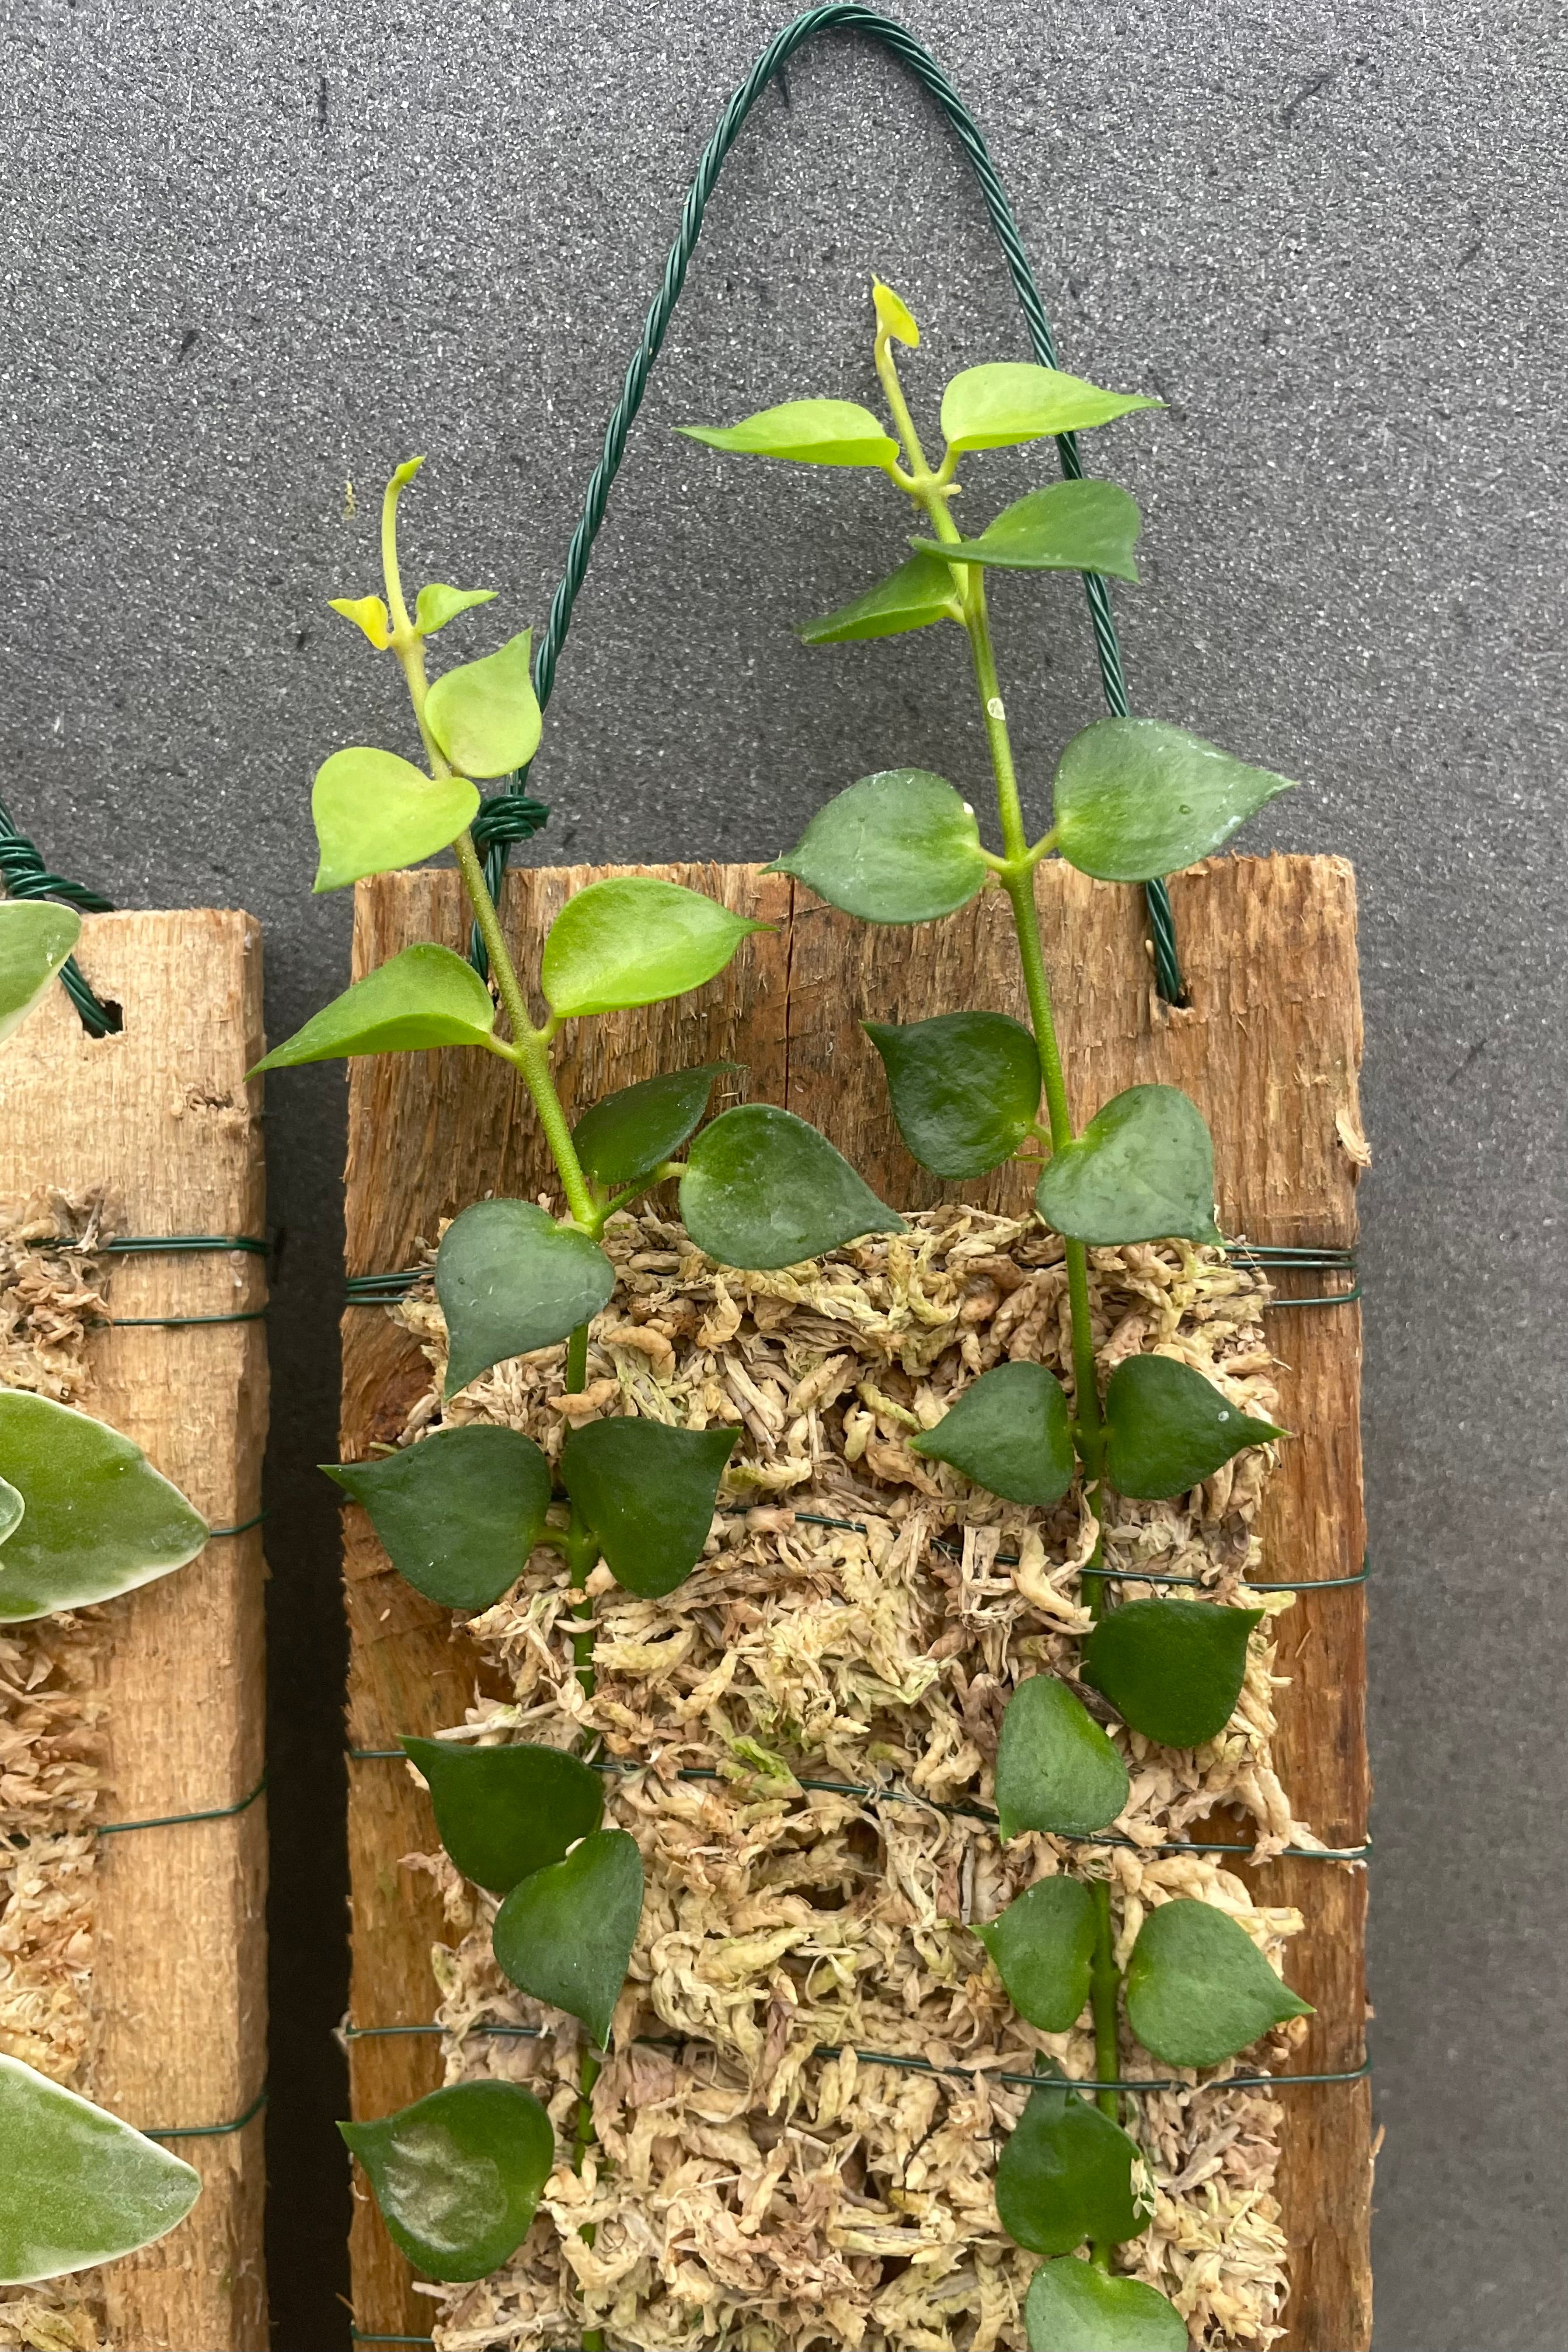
(77, 2187)
(459, 2175)
(369, 615)
(894, 316)
(565, 1933)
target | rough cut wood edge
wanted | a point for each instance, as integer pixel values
(1270, 1048)
(162, 1116)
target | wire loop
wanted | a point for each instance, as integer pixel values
(25, 875)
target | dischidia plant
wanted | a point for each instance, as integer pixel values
(459, 2175)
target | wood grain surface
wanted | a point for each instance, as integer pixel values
(1269, 1046)
(160, 1117)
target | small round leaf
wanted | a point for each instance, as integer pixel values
(1069, 527)
(899, 847)
(98, 1518)
(809, 431)
(1043, 1946)
(565, 1933)
(458, 1513)
(764, 1190)
(1014, 400)
(484, 715)
(919, 593)
(36, 937)
(425, 996)
(627, 1135)
(1066, 2174)
(1172, 1669)
(648, 1493)
(636, 940)
(1167, 1428)
(376, 813)
(1197, 1988)
(458, 2176)
(77, 2185)
(510, 1279)
(1010, 1431)
(505, 1813)
(965, 1088)
(1143, 1171)
(1055, 1769)
(1136, 799)
(1073, 2307)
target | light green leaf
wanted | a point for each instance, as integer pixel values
(1073, 2307)
(458, 1513)
(1172, 1669)
(1066, 2174)
(1197, 1988)
(1010, 1431)
(1013, 400)
(919, 593)
(485, 715)
(628, 1134)
(636, 940)
(648, 1493)
(436, 605)
(965, 1088)
(98, 1518)
(504, 1812)
(809, 431)
(764, 1190)
(1136, 799)
(894, 316)
(458, 2176)
(1055, 1769)
(376, 813)
(1043, 1946)
(36, 936)
(368, 615)
(565, 1933)
(77, 2185)
(11, 1509)
(1069, 527)
(424, 996)
(509, 1279)
(1167, 1428)
(899, 847)
(1143, 1171)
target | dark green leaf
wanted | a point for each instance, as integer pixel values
(565, 1933)
(484, 715)
(458, 2176)
(1066, 2174)
(627, 1135)
(1197, 1988)
(1136, 799)
(425, 996)
(458, 1513)
(1167, 1428)
(1043, 1945)
(1071, 527)
(635, 940)
(764, 1190)
(504, 1812)
(1143, 1171)
(1172, 1669)
(1074, 2307)
(1013, 400)
(919, 593)
(98, 1519)
(965, 1088)
(648, 1493)
(1055, 1769)
(899, 847)
(77, 2185)
(1010, 1431)
(811, 432)
(436, 605)
(35, 937)
(376, 813)
(509, 1279)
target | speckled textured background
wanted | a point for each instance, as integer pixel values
(254, 253)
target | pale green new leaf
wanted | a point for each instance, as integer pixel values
(635, 940)
(376, 813)
(37, 935)
(808, 431)
(1014, 400)
(485, 714)
(98, 1519)
(894, 316)
(919, 593)
(436, 605)
(368, 615)
(77, 2185)
(425, 996)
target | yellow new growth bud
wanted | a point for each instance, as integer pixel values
(366, 612)
(893, 316)
(405, 473)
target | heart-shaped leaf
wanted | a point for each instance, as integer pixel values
(809, 431)
(648, 1493)
(965, 1088)
(1043, 1946)
(919, 593)
(1013, 400)
(369, 616)
(635, 940)
(98, 1518)
(764, 1190)
(77, 2185)
(36, 937)
(485, 715)
(1074, 2306)
(1136, 799)
(1066, 2174)
(1143, 1171)
(1197, 1988)
(458, 2176)
(1011, 1432)
(1069, 527)
(1055, 1769)
(458, 1513)
(505, 1813)
(1167, 1428)
(424, 996)
(509, 1279)
(565, 1933)
(627, 1135)
(1172, 1669)
(436, 605)
(11, 1508)
(376, 813)
(894, 316)
(899, 847)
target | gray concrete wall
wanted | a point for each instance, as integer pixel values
(253, 254)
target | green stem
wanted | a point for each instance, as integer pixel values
(590, 2065)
